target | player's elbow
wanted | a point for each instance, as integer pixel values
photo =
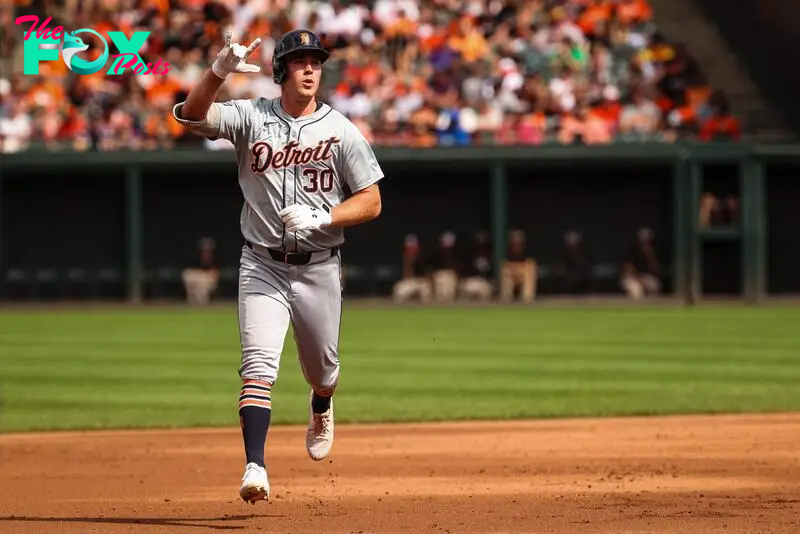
(367, 204)
(372, 204)
(375, 208)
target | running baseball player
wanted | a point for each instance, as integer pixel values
(305, 172)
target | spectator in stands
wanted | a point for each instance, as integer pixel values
(16, 128)
(608, 107)
(201, 280)
(584, 127)
(641, 117)
(476, 281)
(450, 127)
(681, 71)
(519, 272)
(575, 268)
(490, 119)
(721, 126)
(446, 268)
(562, 90)
(416, 281)
(641, 270)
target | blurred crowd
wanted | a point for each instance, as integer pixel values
(408, 72)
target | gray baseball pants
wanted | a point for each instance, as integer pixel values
(272, 295)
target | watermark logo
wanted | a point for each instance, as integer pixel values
(73, 44)
(44, 45)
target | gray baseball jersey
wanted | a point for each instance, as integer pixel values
(317, 160)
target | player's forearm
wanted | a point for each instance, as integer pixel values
(201, 97)
(359, 208)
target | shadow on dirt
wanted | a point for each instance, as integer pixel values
(192, 522)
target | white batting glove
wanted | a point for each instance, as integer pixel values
(300, 217)
(233, 58)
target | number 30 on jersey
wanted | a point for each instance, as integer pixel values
(317, 180)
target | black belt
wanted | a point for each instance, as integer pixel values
(292, 258)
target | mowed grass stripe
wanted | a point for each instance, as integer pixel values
(361, 407)
(153, 368)
(705, 340)
(518, 358)
(572, 347)
(513, 354)
(83, 362)
(407, 382)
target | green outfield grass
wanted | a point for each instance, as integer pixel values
(178, 367)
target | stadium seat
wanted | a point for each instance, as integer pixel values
(78, 283)
(605, 271)
(228, 283)
(356, 279)
(107, 282)
(47, 283)
(19, 283)
(167, 282)
(384, 278)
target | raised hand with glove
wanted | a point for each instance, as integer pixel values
(233, 58)
(301, 217)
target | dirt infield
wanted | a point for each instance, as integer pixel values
(668, 474)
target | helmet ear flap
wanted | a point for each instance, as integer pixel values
(278, 71)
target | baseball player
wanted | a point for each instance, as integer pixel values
(305, 172)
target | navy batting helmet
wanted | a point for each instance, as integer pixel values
(293, 42)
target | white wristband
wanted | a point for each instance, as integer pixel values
(218, 70)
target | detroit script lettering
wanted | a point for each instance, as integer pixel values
(264, 156)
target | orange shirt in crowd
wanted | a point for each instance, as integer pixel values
(596, 130)
(472, 47)
(194, 5)
(402, 27)
(608, 112)
(726, 127)
(73, 125)
(570, 127)
(162, 6)
(686, 115)
(433, 41)
(366, 76)
(259, 28)
(697, 96)
(597, 12)
(634, 11)
(163, 90)
(47, 93)
(664, 104)
(157, 121)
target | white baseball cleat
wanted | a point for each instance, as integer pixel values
(255, 485)
(319, 435)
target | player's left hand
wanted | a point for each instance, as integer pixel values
(301, 217)
(233, 58)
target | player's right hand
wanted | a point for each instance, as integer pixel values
(233, 58)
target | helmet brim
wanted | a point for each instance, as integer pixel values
(320, 53)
